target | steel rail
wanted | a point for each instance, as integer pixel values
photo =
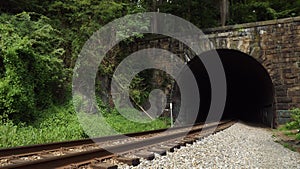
(105, 152)
(30, 149)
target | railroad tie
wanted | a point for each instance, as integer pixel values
(129, 160)
(159, 151)
(146, 155)
(103, 166)
(174, 145)
(188, 140)
(168, 148)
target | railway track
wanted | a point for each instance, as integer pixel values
(105, 152)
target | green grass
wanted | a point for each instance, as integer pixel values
(60, 123)
(286, 145)
(289, 132)
(113, 123)
(57, 123)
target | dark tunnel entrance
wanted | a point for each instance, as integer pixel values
(250, 91)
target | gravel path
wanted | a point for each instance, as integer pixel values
(239, 146)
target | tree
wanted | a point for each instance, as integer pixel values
(32, 73)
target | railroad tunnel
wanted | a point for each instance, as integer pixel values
(250, 91)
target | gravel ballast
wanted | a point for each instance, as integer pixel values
(240, 146)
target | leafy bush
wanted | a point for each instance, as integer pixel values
(252, 11)
(295, 123)
(32, 74)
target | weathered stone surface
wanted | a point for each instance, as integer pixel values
(275, 44)
(294, 92)
(281, 94)
(283, 100)
(282, 106)
(283, 114)
(283, 120)
(296, 99)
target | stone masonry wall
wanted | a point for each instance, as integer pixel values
(275, 44)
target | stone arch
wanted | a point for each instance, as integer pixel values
(249, 86)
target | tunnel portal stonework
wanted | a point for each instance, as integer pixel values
(274, 44)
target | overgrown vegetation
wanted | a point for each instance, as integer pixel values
(293, 128)
(289, 134)
(252, 10)
(32, 73)
(60, 123)
(57, 123)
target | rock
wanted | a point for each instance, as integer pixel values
(239, 146)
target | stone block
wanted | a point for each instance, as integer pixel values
(289, 81)
(283, 120)
(290, 75)
(283, 113)
(280, 88)
(290, 60)
(285, 53)
(283, 100)
(296, 99)
(280, 93)
(270, 52)
(286, 70)
(270, 57)
(297, 49)
(282, 106)
(297, 31)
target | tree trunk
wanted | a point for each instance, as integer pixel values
(154, 19)
(224, 10)
(189, 12)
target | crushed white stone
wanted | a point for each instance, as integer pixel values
(239, 146)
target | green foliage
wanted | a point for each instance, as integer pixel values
(58, 123)
(112, 122)
(295, 123)
(203, 14)
(253, 10)
(139, 91)
(122, 125)
(32, 71)
(79, 19)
